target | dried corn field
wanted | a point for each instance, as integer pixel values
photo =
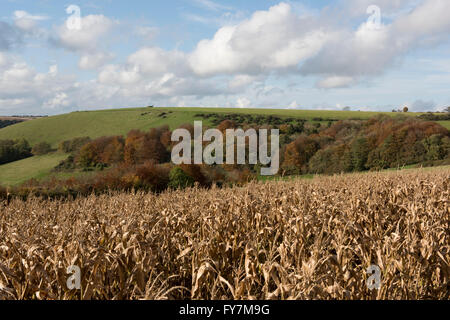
(277, 240)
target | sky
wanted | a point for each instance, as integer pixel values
(59, 57)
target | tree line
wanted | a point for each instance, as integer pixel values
(141, 160)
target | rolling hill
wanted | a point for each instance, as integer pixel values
(119, 122)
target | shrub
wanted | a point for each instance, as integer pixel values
(178, 179)
(105, 150)
(41, 149)
(74, 145)
(153, 177)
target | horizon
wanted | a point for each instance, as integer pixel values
(207, 108)
(302, 55)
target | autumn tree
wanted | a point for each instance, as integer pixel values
(298, 153)
(141, 147)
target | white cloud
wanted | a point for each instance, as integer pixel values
(117, 75)
(25, 21)
(93, 29)
(241, 81)
(145, 64)
(293, 105)
(22, 88)
(92, 61)
(12, 104)
(53, 70)
(158, 61)
(429, 19)
(17, 72)
(58, 101)
(388, 7)
(255, 45)
(243, 102)
(88, 42)
(369, 51)
(335, 82)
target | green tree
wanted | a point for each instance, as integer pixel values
(13, 150)
(178, 179)
(360, 153)
(435, 147)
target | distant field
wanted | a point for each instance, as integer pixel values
(32, 168)
(17, 118)
(120, 121)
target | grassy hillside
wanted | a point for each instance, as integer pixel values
(120, 121)
(32, 168)
(445, 124)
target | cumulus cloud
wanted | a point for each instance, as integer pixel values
(157, 61)
(86, 40)
(371, 51)
(92, 61)
(342, 56)
(93, 28)
(255, 45)
(61, 99)
(21, 86)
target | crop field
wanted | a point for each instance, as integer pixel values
(299, 239)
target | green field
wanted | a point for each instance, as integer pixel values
(445, 124)
(31, 168)
(120, 121)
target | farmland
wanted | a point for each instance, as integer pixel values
(298, 239)
(120, 121)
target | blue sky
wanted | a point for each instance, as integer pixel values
(264, 54)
